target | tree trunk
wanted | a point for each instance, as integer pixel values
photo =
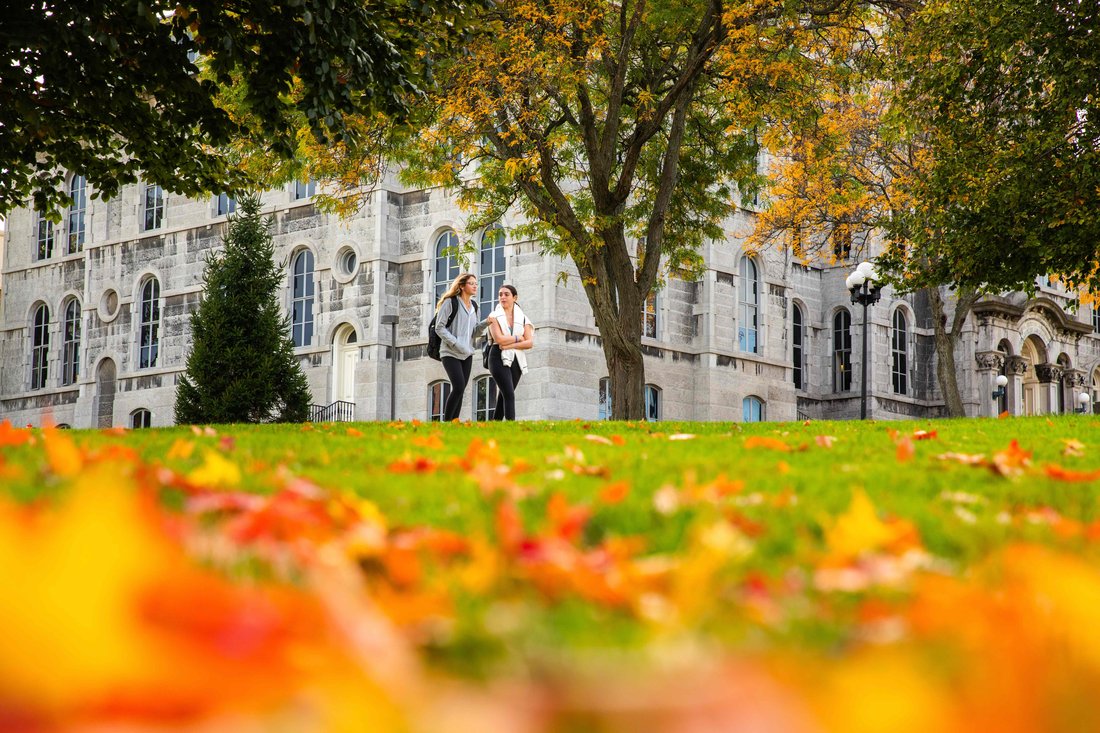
(619, 320)
(945, 341)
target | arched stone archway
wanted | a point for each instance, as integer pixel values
(1038, 377)
(105, 394)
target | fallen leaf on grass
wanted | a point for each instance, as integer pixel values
(1074, 448)
(431, 442)
(14, 436)
(598, 439)
(681, 436)
(65, 458)
(181, 449)
(764, 443)
(1059, 473)
(860, 530)
(614, 492)
(1011, 461)
(905, 450)
(968, 459)
(825, 441)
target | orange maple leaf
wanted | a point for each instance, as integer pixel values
(10, 435)
(1058, 473)
(905, 450)
(1011, 461)
(614, 492)
(765, 443)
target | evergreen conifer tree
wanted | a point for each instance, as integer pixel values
(242, 367)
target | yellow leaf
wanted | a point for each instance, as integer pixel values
(857, 530)
(215, 471)
(181, 449)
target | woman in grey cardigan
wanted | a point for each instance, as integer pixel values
(457, 350)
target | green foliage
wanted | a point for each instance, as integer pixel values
(616, 131)
(78, 80)
(241, 367)
(1006, 96)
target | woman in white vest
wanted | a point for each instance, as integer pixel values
(512, 335)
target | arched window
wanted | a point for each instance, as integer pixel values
(491, 270)
(446, 262)
(605, 398)
(485, 398)
(141, 418)
(78, 193)
(899, 353)
(152, 207)
(301, 304)
(649, 316)
(44, 232)
(40, 347)
(1095, 391)
(752, 409)
(842, 351)
(652, 402)
(70, 343)
(747, 330)
(438, 392)
(798, 336)
(149, 330)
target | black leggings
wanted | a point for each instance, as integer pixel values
(507, 379)
(459, 374)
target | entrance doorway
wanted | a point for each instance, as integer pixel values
(345, 356)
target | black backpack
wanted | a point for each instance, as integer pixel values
(434, 342)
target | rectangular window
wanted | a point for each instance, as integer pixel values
(45, 238)
(649, 316)
(304, 189)
(78, 194)
(485, 399)
(842, 243)
(652, 403)
(152, 207)
(225, 204)
(605, 399)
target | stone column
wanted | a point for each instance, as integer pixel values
(989, 366)
(1050, 377)
(1074, 382)
(1015, 369)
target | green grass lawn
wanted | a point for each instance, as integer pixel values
(628, 538)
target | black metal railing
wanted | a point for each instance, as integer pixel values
(339, 411)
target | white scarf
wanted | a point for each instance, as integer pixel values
(519, 322)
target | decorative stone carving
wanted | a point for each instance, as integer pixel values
(1074, 378)
(1016, 365)
(990, 360)
(1047, 373)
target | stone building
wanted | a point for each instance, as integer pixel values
(95, 324)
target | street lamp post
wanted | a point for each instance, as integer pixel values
(391, 320)
(1083, 398)
(866, 289)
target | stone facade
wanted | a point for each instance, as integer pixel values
(698, 359)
